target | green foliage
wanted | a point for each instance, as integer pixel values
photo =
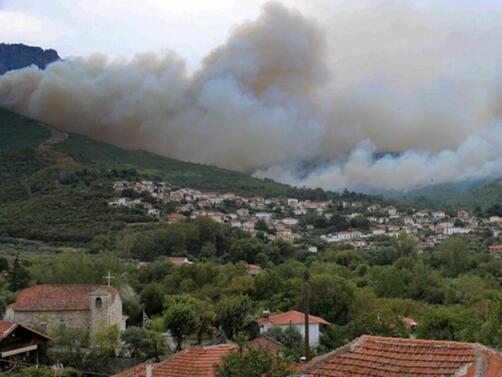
(231, 314)
(253, 363)
(19, 277)
(18, 132)
(142, 343)
(107, 339)
(180, 319)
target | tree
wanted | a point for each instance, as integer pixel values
(231, 313)
(448, 324)
(331, 297)
(455, 256)
(19, 276)
(152, 298)
(107, 339)
(142, 343)
(253, 363)
(290, 338)
(180, 319)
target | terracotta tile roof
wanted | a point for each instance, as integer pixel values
(292, 317)
(7, 327)
(266, 343)
(409, 322)
(194, 362)
(179, 261)
(58, 297)
(371, 356)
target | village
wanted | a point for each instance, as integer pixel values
(307, 222)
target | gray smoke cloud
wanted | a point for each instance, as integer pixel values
(386, 96)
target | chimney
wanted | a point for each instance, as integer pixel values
(149, 369)
(265, 314)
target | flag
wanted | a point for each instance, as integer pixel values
(146, 320)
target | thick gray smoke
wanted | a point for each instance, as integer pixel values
(383, 97)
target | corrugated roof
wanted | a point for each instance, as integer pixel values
(58, 297)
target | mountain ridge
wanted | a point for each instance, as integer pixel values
(18, 55)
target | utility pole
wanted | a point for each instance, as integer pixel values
(306, 309)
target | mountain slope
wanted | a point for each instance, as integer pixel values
(56, 187)
(15, 56)
(471, 194)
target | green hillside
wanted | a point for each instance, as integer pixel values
(185, 174)
(58, 191)
(483, 194)
(18, 132)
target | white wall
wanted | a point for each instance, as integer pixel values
(314, 333)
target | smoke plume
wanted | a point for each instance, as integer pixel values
(386, 97)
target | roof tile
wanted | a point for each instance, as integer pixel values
(194, 362)
(292, 317)
(395, 357)
(58, 297)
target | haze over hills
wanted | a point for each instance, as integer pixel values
(468, 192)
(16, 56)
(285, 91)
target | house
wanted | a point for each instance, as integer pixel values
(409, 323)
(264, 216)
(193, 362)
(242, 212)
(296, 320)
(268, 344)
(20, 343)
(438, 215)
(75, 306)
(495, 249)
(179, 261)
(397, 357)
(154, 212)
(456, 230)
(175, 217)
(312, 249)
(253, 269)
(463, 214)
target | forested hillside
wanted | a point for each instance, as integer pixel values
(56, 187)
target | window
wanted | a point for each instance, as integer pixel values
(99, 303)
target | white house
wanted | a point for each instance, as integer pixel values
(294, 319)
(264, 216)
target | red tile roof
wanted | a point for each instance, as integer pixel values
(58, 297)
(194, 362)
(179, 261)
(266, 343)
(291, 318)
(372, 356)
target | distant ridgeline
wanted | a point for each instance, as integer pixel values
(15, 56)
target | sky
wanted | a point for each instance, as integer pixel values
(363, 94)
(190, 27)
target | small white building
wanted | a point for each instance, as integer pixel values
(293, 319)
(264, 216)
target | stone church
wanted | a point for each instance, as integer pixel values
(72, 306)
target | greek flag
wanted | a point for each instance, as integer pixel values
(146, 320)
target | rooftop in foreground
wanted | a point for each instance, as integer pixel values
(372, 356)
